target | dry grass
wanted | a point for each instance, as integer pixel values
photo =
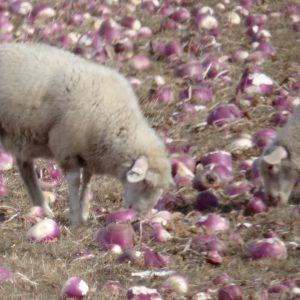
(42, 269)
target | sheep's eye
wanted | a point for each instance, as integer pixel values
(210, 179)
(273, 169)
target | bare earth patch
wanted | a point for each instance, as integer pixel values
(41, 269)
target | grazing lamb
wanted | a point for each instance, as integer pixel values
(54, 104)
(280, 162)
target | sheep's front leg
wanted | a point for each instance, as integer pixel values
(84, 195)
(73, 181)
(28, 175)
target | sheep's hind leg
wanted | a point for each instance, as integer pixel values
(28, 175)
(84, 194)
(73, 181)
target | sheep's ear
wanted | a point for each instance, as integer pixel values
(276, 155)
(138, 171)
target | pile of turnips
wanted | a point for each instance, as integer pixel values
(224, 192)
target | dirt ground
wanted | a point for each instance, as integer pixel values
(41, 269)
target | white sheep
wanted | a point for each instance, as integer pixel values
(280, 162)
(54, 104)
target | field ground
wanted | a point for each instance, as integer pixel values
(41, 269)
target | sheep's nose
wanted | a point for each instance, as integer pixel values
(127, 205)
(274, 200)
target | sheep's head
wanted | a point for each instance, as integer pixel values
(279, 174)
(143, 186)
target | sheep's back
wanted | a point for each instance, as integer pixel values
(289, 137)
(33, 87)
(41, 86)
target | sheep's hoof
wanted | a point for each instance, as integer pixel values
(75, 219)
(85, 214)
(75, 222)
(48, 212)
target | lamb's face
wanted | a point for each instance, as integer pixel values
(143, 187)
(140, 196)
(279, 174)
